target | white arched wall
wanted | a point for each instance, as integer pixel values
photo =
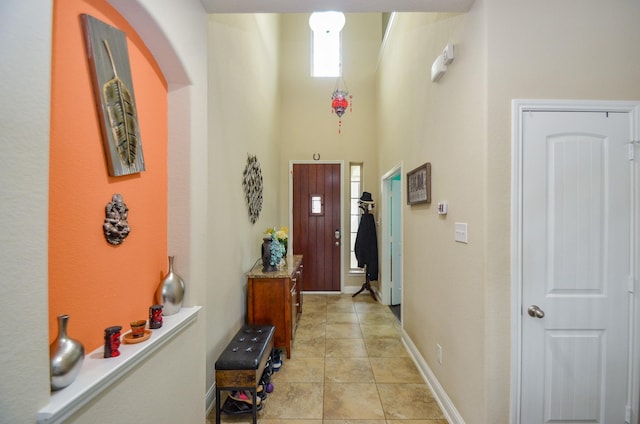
(176, 34)
(25, 78)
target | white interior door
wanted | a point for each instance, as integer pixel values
(576, 265)
(396, 241)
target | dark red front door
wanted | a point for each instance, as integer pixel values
(316, 218)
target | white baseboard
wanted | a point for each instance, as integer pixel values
(378, 294)
(311, 293)
(210, 400)
(345, 290)
(355, 289)
(350, 289)
(447, 406)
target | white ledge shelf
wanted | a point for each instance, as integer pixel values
(98, 373)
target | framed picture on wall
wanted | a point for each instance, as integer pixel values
(419, 185)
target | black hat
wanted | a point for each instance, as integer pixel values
(366, 197)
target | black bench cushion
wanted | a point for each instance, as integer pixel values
(246, 349)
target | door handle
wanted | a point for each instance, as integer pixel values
(336, 234)
(535, 311)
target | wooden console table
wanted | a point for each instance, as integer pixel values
(276, 298)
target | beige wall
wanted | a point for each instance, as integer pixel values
(441, 123)
(456, 295)
(24, 172)
(306, 124)
(459, 295)
(242, 118)
(559, 50)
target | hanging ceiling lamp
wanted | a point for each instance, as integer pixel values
(327, 57)
(340, 101)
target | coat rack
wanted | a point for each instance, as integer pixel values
(366, 246)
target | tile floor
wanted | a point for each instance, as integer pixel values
(348, 366)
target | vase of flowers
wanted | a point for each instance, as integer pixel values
(274, 248)
(282, 235)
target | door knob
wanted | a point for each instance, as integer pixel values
(535, 311)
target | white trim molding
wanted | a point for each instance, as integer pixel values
(384, 220)
(518, 108)
(446, 404)
(342, 206)
(98, 374)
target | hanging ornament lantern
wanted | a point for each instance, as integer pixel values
(340, 101)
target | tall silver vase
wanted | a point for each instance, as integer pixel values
(67, 356)
(170, 292)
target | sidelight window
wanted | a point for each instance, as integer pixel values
(355, 189)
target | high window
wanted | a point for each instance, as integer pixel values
(326, 57)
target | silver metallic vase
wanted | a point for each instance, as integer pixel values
(67, 356)
(170, 293)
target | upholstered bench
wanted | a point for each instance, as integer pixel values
(241, 364)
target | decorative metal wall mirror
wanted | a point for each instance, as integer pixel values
(252, 183)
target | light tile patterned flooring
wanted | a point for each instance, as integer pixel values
(348, 366)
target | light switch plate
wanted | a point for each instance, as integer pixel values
(461, 232)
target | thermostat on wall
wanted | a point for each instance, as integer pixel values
(448, 54)
(438, 69)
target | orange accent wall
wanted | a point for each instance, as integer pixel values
(97, 284)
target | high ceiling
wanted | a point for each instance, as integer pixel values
(350, 6)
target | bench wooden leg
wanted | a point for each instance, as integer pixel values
(255, 405)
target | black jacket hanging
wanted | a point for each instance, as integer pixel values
(366, 247)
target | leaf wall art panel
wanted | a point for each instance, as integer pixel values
(115, 99)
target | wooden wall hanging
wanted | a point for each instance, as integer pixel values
(115, 99)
